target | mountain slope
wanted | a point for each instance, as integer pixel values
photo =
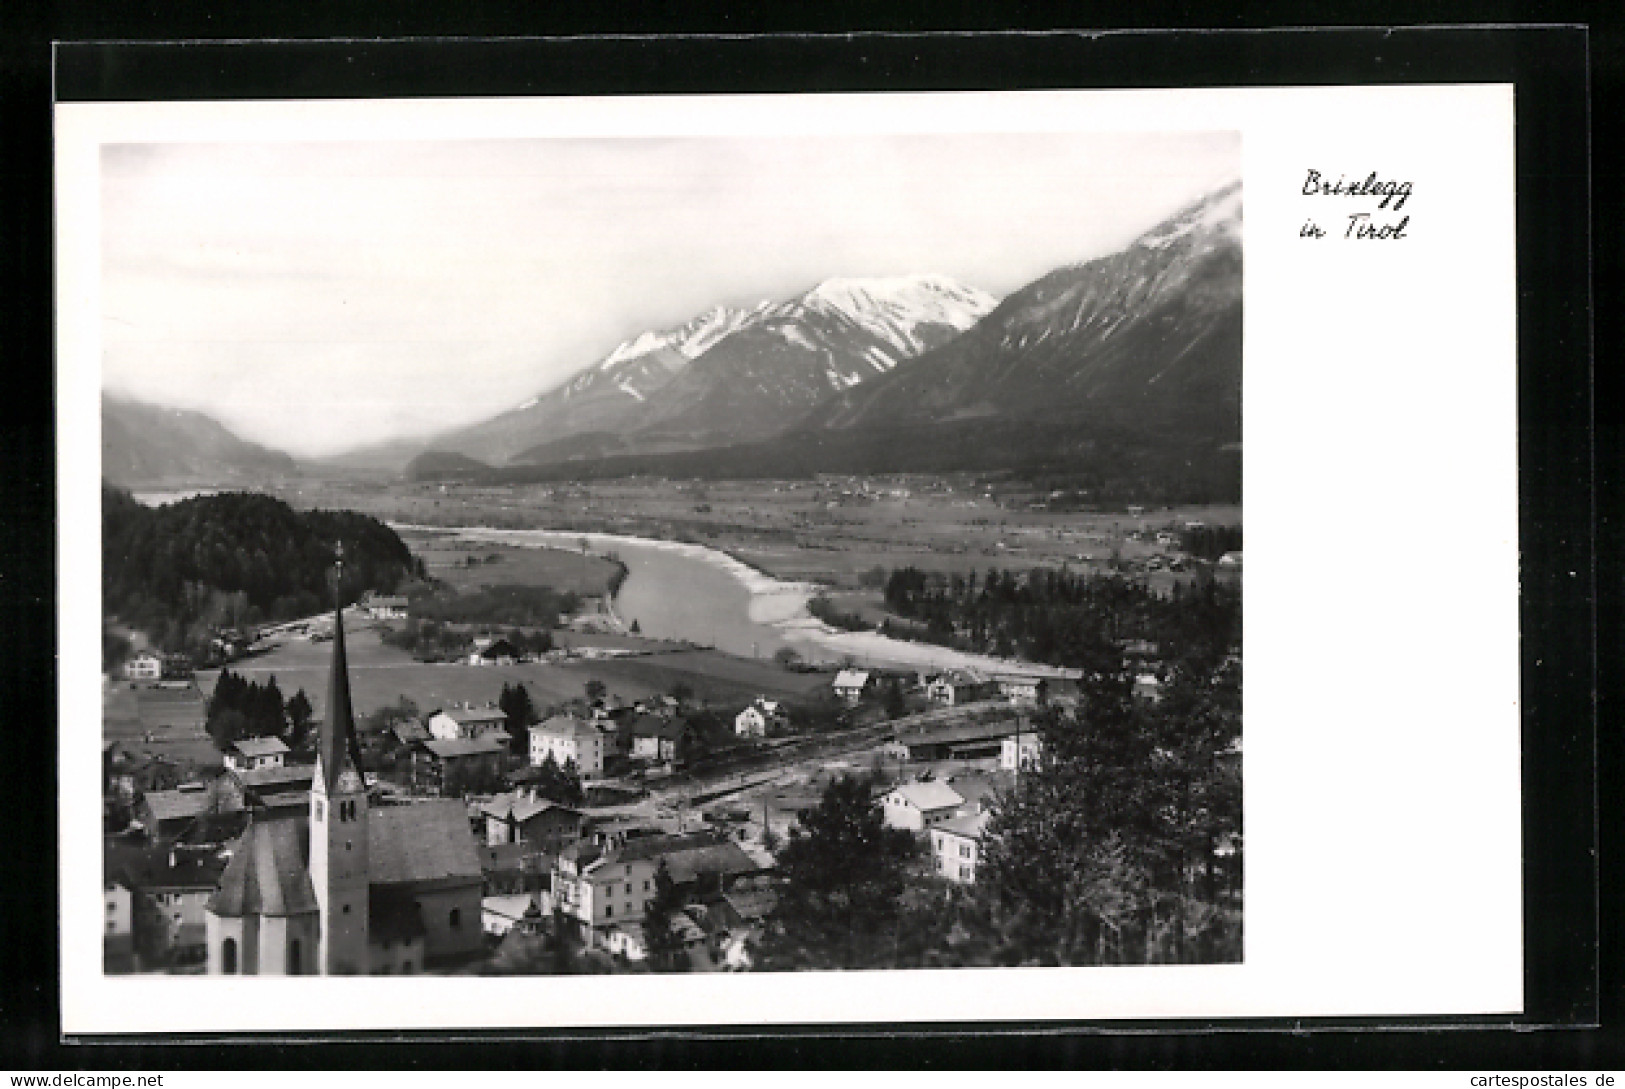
(1120, 377)
(729, 375)
(607, 396)
(791, 356)
(1148, 338)
(146, 444)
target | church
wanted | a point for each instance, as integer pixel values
(346, 887)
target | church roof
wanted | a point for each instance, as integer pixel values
(421, 842)
(267, 874)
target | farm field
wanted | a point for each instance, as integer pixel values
(174, 721)
(830, 530)
(564, 571)
(381, 675)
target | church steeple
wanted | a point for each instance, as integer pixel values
(339, 871)
(338, 740)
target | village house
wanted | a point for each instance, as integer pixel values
(522, 817)
(466, 722)
(568, 740)
(165, 814)
(656, 737)
(253, 753)
(118, 934)
(1024, 689)
(852, 684)
(384, 606)
(960, 686)
(598, 890)
(762, 716)
(281, 785)
(1147, 686)
(1021, 751)
(347, 888)
(489, 651)
(169, 891)
(918, 806)
(958, 740)
(453, 767)
(143, 667)
(956, 847)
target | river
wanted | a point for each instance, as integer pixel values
(698, 594)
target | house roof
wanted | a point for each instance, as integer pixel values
(851, 678)
(752, 905)
(169, 805)
(565, 726)
(932, 795)
(454, 747)
(470, 715)
(970, 826)
(714, 858)
(298, 774)
(410, 731)
(517, 806)
(259, 746)
(423, 841)
(957, 734)
(384, 601)
(661, 726)
(267, 874)
(143, 868)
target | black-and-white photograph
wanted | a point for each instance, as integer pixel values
(671, 555)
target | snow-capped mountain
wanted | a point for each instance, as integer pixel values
(1148, 338)
(730, 374)
(604, 395)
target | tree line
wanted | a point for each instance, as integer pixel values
(183, 570)
(1062, 617)
(240, 708)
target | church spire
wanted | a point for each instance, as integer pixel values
(338, 731)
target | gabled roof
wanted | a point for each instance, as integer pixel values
(519, 807)
(267, 874)
(565, 726)
(423, 841)
(929, 796)
(451, 748)
(970, 826)
(259, 746)
(468, 715)
(410, 731)
(851, 678)
(304, 774)
(668, 728)
(168, 805)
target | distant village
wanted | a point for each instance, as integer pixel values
(444, 843)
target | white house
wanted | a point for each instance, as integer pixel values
(1148, 687)
(602, 891)
(1023, 688)
(759, 717)
(956, 847)
(568, 738)
(384, 607)
(144, 667)
(254, 753)
(958, 687)
(918, 806)
(850, 684)
(467, 723)
(1021, 752)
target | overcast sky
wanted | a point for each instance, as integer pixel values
(319, 297)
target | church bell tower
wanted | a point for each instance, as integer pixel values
(338, 819)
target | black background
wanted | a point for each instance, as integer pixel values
(1571, 575)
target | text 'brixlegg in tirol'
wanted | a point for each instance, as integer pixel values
(1363, 225)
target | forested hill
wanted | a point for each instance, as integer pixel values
(235, 559)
